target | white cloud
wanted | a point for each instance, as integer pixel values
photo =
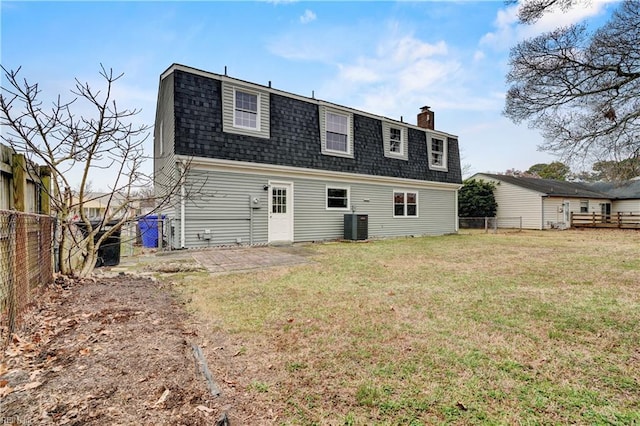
(307, 16)
(358, 74)
(508, 31)
(396, 74)
(402, 73)
(319, 44)
(478, 55)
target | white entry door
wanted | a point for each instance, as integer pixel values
(566, 209)
(281, 211)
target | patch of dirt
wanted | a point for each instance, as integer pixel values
(108, 351)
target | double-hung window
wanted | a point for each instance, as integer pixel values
(405, 204)
(337, 132)
(395, 140)
(245, 112)
(437, 152)
(337, 198)
(584, 206)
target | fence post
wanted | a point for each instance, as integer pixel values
(18, 166)
(486, 225)
(12, 297)
(45, 190)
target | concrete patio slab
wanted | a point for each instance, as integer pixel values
(219, 260)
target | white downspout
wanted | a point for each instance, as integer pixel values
(457, 225)
(183, 197)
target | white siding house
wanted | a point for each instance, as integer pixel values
(265, 166)
(544, 203)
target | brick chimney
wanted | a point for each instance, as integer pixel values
(426, 118)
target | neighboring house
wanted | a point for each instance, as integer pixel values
(626, 194)
(545, 203)
(98, 205)
(267, 166)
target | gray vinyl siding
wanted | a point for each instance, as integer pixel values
(164, 133)
(514, 201)
(436, 211)
(224, 208)
(228, 111)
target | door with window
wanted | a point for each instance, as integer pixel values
(605, 210)
(281, 211)
(566, 209)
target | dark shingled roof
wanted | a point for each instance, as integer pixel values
(625, 190)
(553, 188)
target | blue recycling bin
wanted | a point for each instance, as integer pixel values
(148, 226)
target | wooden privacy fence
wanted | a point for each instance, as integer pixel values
(26, 262)
(597, 220)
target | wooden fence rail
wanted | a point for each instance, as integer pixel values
(598, 220)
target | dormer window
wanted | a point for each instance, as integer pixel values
(395, 140)
(245, 112)
(336, 132)
(437, 151)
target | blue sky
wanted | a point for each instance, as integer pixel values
(388, 58)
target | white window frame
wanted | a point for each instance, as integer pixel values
(326, 131)
(399, 153)
(584, 204)
(326, 197)
(430, 152)
(323, 112)
(235, 109)
(405, 192)
(387, 127)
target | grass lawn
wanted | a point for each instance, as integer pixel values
(520, 328)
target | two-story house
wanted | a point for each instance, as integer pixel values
(265, 166)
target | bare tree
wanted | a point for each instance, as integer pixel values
(532, 10)
(102, 136)
(579, 88)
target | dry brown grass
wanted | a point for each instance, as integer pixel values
(522, 328)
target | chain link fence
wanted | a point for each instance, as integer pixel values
(26, 262)
(491, 224)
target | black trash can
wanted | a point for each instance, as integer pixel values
(109, 250)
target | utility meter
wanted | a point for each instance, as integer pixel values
(255, 201)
